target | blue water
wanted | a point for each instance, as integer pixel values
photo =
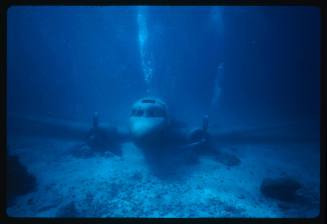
(247, 68)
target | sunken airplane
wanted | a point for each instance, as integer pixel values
(165, 143)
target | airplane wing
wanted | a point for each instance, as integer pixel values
(280, 133)
(63, 129)
(46, 127)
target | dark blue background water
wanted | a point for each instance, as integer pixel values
(71, 61)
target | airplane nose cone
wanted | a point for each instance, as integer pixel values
(142, 127)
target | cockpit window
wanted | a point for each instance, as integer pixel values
(150, 113)
(149, 108)
(137, 112)
(155, 112)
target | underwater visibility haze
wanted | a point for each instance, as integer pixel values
(163, 111)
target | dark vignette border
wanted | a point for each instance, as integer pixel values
(5, 4)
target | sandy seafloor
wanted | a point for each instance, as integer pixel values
(107, 186)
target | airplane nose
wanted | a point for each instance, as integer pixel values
(145, 127)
